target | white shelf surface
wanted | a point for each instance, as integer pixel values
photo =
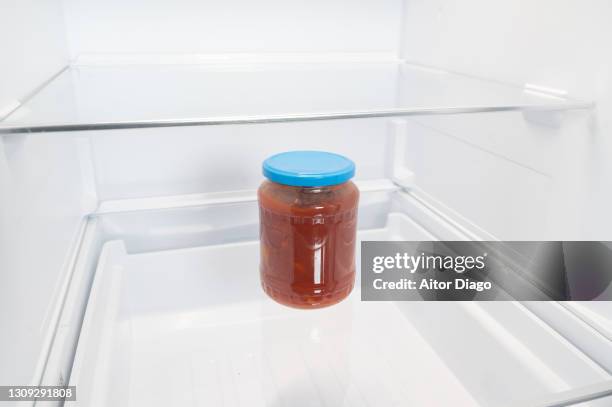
(192, 327)
(93, 97)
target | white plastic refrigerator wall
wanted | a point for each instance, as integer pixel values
(131, 138)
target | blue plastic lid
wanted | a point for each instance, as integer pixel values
(308, 168)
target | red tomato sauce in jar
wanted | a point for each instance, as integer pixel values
(308, 231)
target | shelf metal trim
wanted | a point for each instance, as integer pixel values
(288, 118)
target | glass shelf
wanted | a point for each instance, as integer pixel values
(140, 96)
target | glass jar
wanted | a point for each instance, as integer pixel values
(308, 224)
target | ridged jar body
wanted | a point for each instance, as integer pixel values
(308, 237)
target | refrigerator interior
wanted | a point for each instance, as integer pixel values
(131, 139)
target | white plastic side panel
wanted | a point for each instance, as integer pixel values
(44, 195)
(40, 193)
(498, 194)
(515, 178)
(236, 26)
(551, 181)
(33, 47)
